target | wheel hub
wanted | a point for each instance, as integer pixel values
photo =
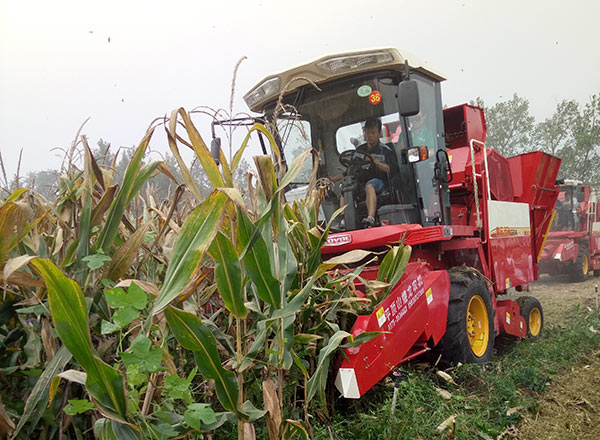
(535, 322)
(478, 326)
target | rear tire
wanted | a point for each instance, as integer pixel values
(580, 270)
(470, 333)
(533, 314)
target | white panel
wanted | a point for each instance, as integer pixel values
(508, 218)
(346, 383)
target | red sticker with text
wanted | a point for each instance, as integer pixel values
(375, 97)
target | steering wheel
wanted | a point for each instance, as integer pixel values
(355, 157)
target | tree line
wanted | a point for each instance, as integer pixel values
(571, 133)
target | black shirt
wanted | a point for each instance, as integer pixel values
(381, 153)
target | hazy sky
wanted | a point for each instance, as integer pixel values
(124, 63)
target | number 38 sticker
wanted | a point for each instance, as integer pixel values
(375, 97)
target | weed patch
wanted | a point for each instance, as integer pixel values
(486, 399)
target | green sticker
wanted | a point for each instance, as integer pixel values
(364, 91)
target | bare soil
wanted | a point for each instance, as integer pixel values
(570, 406)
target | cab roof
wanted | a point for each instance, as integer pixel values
(333, 67)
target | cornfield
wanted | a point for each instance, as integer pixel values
(126, 317)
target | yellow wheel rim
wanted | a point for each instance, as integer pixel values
(478, 328)
(586, 265)
(535, 322)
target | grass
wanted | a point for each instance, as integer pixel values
(486, 400)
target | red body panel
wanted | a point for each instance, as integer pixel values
(509, 319)
(416, 310)
(512, 262)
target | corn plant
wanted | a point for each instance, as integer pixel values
(154, 358)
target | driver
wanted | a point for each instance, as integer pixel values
(374, 176)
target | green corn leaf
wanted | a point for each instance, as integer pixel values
(85, 218)
(257, 262)
(39, 396)
(288, 266)
(253, 412)
(393, 266)
(194, 336)
(106, 429)
(294, 169)
(124, 196)
(195, 237)
(225, 340)
(208, 163)
(294, 305)
(316, 383)
(257, 345)
(69, 313)
(143, 176)
(185, 171)
(228, 275)
(256, 127)
(360, 339)
(15, 195)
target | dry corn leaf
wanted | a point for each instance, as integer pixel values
(48, 341)
(103, 205)
(249, 433)
(445, 376)
(273, 417)
(443, 393)
(7, 426)
(349, 257)
(447, 425)
(146, 286)
(513, 410)
(126, 254)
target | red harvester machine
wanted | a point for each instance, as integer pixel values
(573, 244)
(476, 221)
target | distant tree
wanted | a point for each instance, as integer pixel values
(581, 155)
(509, 126)
(555, 132)
(103, 154)
(44, 183)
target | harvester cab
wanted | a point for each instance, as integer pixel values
(327, 104)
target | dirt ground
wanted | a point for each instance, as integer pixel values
(570, 406)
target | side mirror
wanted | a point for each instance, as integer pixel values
(580, 196)
(215, 149)
(408, 97)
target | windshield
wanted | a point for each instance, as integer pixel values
(336, 121)
(567, 210)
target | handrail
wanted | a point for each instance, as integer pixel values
(476, 189)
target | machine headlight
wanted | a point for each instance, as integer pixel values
(351, 62)
(266, 90)
(417, 154)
